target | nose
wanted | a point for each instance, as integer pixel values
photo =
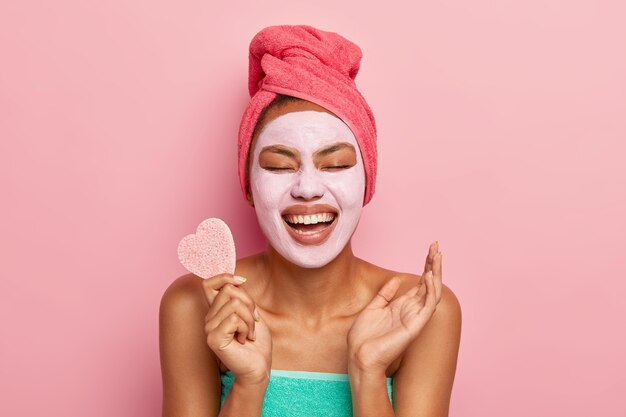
(308, 186)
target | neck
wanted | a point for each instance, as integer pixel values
(313, 294)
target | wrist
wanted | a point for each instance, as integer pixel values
(364, 364)
(369, 391)
(358, 372)
(245, 398)
(252, 382)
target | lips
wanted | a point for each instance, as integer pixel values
(310, 225)
(301, 209)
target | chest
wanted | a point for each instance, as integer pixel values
(298, 346)
(309, 347)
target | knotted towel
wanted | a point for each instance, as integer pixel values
(315, 65)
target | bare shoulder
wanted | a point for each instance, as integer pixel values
(188, 366)
(425, 355)
(185, 292)
(449, 301)
(447, 316)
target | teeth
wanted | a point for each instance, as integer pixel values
(300, 232)
(310, 218)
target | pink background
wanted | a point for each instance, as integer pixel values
(501, 134)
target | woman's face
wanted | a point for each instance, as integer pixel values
(307, 182)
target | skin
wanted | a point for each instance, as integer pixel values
(303, 157)
(349, 316)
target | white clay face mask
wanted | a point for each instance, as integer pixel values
(307, 198)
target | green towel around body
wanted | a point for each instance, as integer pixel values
(304, 393)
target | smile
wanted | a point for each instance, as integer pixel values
(310, 225)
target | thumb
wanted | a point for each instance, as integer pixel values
(385, 294)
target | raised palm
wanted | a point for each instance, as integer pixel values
(384, 329)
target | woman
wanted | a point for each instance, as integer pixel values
(308, 316)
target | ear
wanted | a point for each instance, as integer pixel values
(249, 198)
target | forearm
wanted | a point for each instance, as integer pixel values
(369, 394)
(244, 400)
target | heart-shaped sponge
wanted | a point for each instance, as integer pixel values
(210, 251)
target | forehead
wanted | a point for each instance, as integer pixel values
(305, 130)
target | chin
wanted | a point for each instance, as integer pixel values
(310, 256)
(310, 263)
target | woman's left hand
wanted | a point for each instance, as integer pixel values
(384, 329)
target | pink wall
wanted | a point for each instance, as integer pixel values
(502, 125)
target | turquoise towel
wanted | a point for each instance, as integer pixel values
(303, 393)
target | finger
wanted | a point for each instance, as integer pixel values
(213, 284)
(242, 329)
(422, 289)
(416, 317)
(431, 296)
(234, 305)
(227, 292)
(421, 292)
(405, 298)
(413, 306)
(224, 333)
(437, 269)
(432, 250)
(385, 294)
(411, 292)
(437, 274)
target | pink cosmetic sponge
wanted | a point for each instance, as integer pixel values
(210, 251)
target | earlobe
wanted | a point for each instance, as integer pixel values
(249, 197)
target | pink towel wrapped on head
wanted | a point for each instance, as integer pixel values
(315, 65)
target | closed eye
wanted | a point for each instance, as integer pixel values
(336, 167)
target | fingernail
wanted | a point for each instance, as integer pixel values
(257, 316)
(253, 334)
(239, 279)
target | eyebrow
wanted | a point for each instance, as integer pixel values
(281, 150)
(333, 148)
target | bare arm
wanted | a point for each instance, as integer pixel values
(245, 400)
(422, 386)
(190, 370)
(423, 324)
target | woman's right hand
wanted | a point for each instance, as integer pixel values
(242, 344)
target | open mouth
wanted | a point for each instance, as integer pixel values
(309, 224)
